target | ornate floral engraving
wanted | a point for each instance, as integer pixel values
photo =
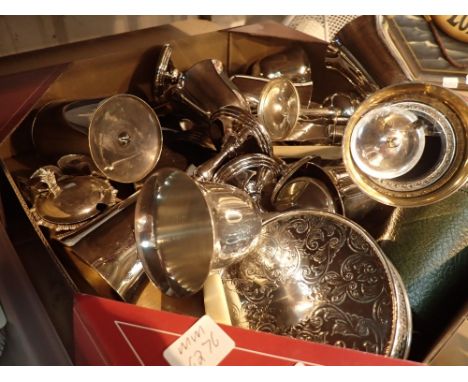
(317, 278)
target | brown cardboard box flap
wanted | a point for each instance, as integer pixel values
(274, 29)
(19, 93)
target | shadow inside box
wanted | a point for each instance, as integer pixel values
(54, 288)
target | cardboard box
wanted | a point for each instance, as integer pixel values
(56, 277)
(113, 333)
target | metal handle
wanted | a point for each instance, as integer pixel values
(48, 177)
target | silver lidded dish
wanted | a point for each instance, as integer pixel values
(61, 202)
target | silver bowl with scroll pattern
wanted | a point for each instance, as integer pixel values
(320, 277)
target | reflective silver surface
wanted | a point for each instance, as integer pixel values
(125, 138)
(292, 64)
(438, 136)
(356, 203)
(41, 180)
(105, 251)
(442, 167)
(404, 325)
(304, 193)
(280, 112)
(319, 277)
(325, 123)
(345, 103)
(77, 164)
(338, 58)
(316, 131)
(165, 74)
(185, 229)
(241, 132)
(203, 89)
(347, 198)
(388, 142)
(121, 133)
(70, 199)
(278, 109)
(251, 88)
(256, 174)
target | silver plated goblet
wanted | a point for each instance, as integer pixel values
(121, 133)
(186, 229)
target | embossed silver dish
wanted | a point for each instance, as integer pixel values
(320, 277)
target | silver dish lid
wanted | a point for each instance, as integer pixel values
(71, 200)
(319, 277)
(125, 138)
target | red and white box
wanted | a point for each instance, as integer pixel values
(114, 333)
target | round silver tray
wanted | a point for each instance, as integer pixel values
(320, 277)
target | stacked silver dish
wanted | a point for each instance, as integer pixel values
(319, 277)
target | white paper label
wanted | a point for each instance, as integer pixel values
(450, 82)
(466, 79)
(204, 344)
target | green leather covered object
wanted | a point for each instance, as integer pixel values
(429, 247)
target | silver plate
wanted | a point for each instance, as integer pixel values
(320, 277)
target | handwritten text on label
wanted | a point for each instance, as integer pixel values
(204, 344)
